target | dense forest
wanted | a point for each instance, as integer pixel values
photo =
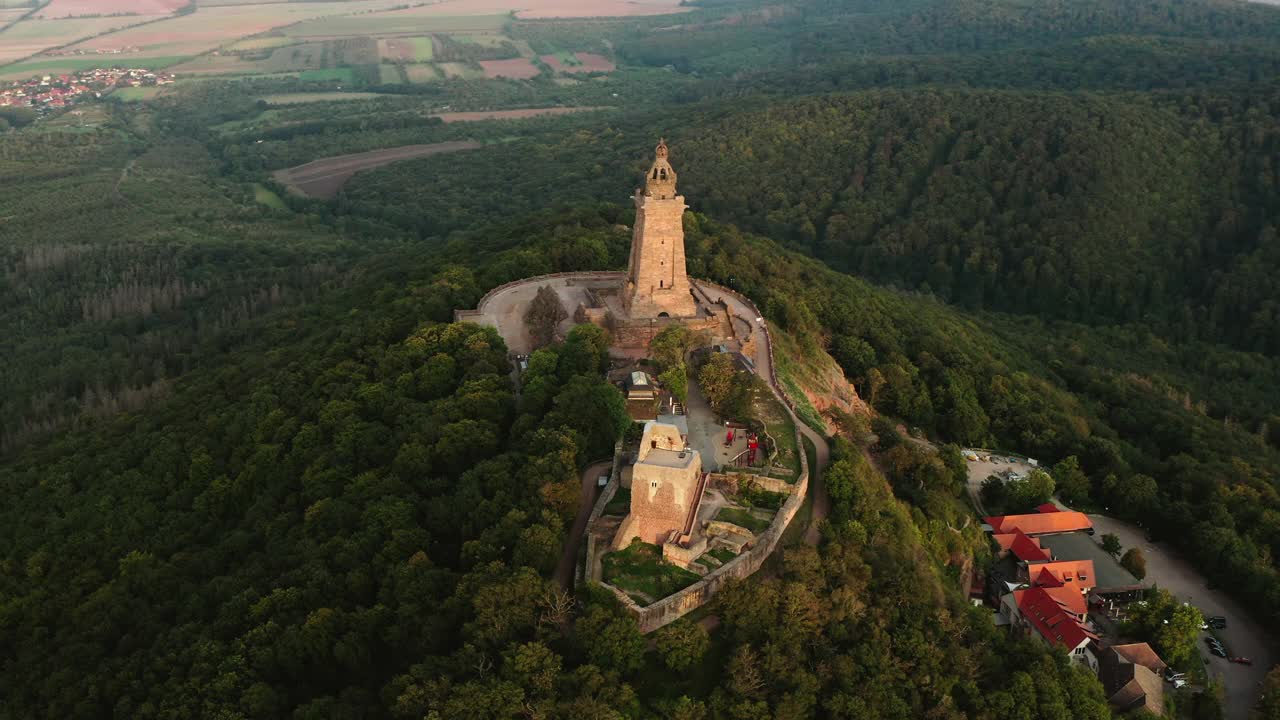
(353, 516)
(251, 469)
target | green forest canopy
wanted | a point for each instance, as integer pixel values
(251, 472)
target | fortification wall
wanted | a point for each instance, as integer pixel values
(673, 607)
(610, 489)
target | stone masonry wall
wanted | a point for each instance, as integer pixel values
(673, 607)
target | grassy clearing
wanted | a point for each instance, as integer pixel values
(641, 569)
(724, 555)
(780, 427)
(804, 515)
(266, 197)
(135, 94)
(742, 518)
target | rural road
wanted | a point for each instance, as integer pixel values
(764, 368)
(1243, 635)
(569, 557)
(821, 502)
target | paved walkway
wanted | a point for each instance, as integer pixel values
(1243, 635)
(569, 557)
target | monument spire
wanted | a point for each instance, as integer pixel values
(657, 284)
(661, 178)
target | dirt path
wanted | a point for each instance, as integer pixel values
(821, 501)
(569, 557)
(1243, 636)
(323, 178)
(124, 175)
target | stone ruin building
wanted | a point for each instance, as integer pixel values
(667, 485)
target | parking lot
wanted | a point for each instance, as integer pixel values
(1242, 636)
(980, 470)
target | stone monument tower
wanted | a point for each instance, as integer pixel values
(657, 285)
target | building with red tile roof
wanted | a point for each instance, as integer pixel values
(1076, 574)
(1055, 616)
(1064, 521)
(1048, 508)
(1028, 550)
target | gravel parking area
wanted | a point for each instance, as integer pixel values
(1243, 636)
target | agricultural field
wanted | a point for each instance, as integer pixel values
(407, 49)
(325, 177)
(261, 43)
(509, 114)
(598, 8)
(422, 73)
(135, 94)
(424, 19)
(390, 75)
(217, 65)
(516, 68)
(567, 62)
(88, 8)
(299, 98)
(344, 75)
(460, 70)
(591, 62)
(212, 27)
(30, 37)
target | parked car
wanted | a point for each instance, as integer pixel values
(1180, 683)
(1241, 660)
(1217, 622)
(1218, 650)
(1170, 674)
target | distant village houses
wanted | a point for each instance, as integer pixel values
(57, 91)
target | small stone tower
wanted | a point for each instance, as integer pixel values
(657, 285)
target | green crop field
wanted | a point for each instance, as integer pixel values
(329, 74)
(134, 94)
(423, 49)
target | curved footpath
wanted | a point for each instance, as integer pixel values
(569, 557)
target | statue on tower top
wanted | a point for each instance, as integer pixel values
(660, 181)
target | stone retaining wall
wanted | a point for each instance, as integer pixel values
(611, 489)
(673, 607)
(729, 480)
(466, 315)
